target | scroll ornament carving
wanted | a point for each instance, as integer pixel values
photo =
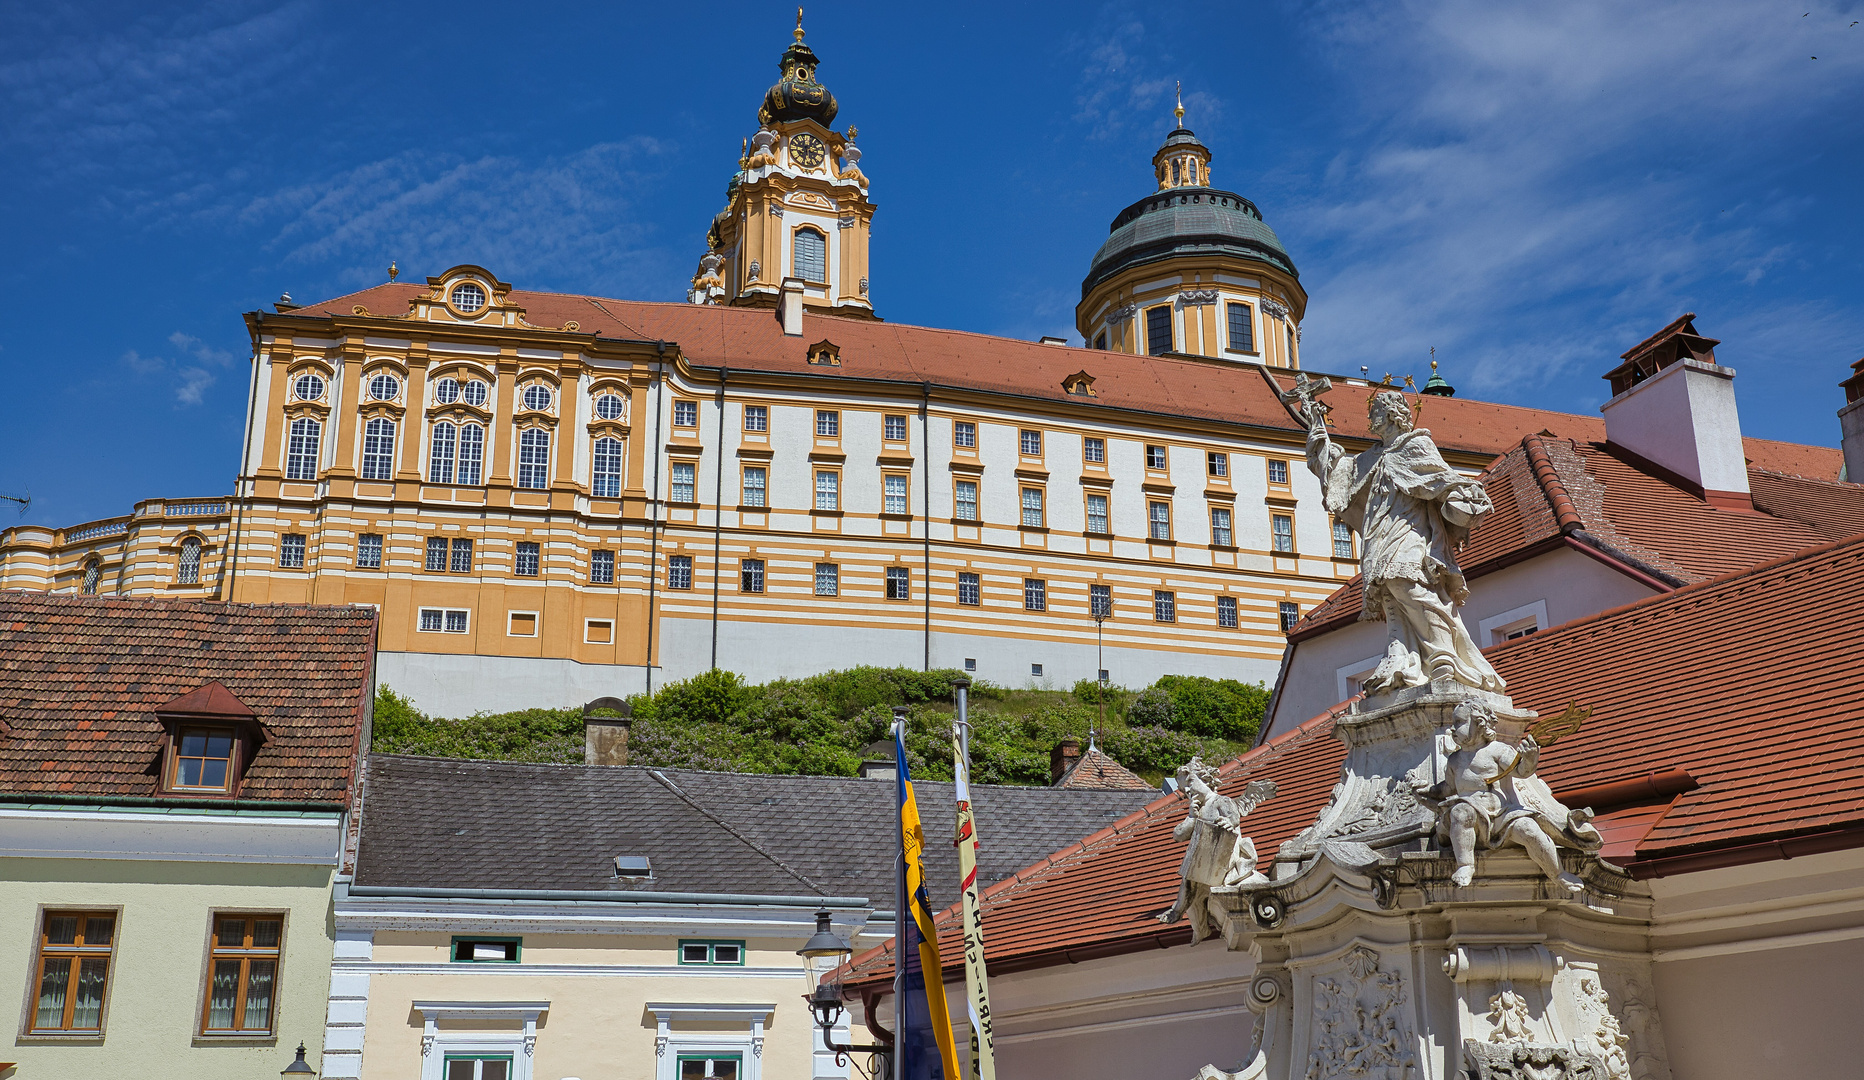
(1609, 1041)
(1519, 1061)
(660, 1046)
(1273, 309)
(427, 1045)
(530, 1044)
(757, 1046)
(1509, 1018)
(846, 223)
(1121, 314)
(1360, 1028)
(775, 209)
(1217, 854)
(1196, 297)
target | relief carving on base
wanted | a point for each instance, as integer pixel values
(1521, 1061)
(1361, 1029)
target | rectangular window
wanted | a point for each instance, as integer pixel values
(1290, 614)
(291, 550)
(598, 632)
(727, 953)
(756, 485)
(472, 453)
(486, 950)
(707, 1067)
(680, 572)
(683, 487)
(1283, 529)
(1278, 471)
(899, 583)
(751, 576)
(1035, 594)
(378, 450)
(1226, 611)
(969, 591)
(602, 567)
(605, 469)
(521, 624)
(73, 971)
(1100, 341)
(827, 490)
(1217, 463)
(1155, 457)
(965, 496)
(686, 414)
(811, 255)
(440, 462)
(203, 759)
(301, 452)
(895, 497)
(1035, 670)
(1242, 328)
(1100, 601)
(1097, 514)
(456, 621)
(1094, 451)
(526, 564)
(970, 663)
(242, 974)
(827, 579)
(430, 620)
(827, 424)
(462, 557)
(1030, 442)
(893, 428)
(534, 459)
(1164, 606)
(1158, 330)
(436, 554)
(964, 435)
(757, 418)
(1342, 540)
(1032, 508)
(1288, 330)
(477, 1067)
(1158, 517)
(369, 551)
(1220, 533)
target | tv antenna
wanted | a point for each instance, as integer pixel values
(23, 500)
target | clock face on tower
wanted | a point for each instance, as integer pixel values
(807, 150)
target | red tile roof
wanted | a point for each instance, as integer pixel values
(1751, 686)
(82, 678)
(1095, 771)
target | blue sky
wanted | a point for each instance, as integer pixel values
(1529, 188)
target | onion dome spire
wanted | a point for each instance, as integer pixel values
(797, 95)
(1182, 161)
(1436, 385)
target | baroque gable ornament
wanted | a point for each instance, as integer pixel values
(1361, 1028)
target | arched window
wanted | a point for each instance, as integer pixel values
(440, 462)
(472, 453)
(301, 452)
(93, 569)
(378, 450)
(606, 481)
(811, 255)
(188, 567)
(534, 458)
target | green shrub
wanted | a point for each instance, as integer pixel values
(1214, 708)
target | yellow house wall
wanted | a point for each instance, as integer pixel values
(158, 973)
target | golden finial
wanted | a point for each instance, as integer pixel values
(744, 152)
(852, 132)
(1179, 111)
(392, 271)
(799, 23)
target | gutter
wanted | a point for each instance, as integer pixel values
(181, 805)
(610, 896)
(1850, 836)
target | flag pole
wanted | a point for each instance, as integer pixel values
(976, 977)
(900, 910)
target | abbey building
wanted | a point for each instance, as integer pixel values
(552, 497)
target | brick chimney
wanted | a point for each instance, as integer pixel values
(1062, 758)
(605, 738)
(1674, 406)
(1851, 423)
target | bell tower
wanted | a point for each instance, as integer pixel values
(797, 208)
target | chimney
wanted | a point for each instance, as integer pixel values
(790, 306)
(605, 738)
(1063, 758)
(1674, 406)
(1851, 423)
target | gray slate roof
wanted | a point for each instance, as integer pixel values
(1186, 221)
(450, 823)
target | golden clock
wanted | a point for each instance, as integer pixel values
(807, 150)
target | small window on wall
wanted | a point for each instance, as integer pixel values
(290, 552)
(378, 449)
(717, 953)
(369, 551)
(1094, 450)
(1220, 533)
(811, 256)
(1032, 508)
(685, 414)
(1100, 341)
(487, 950)
(964, 496)
(188, 564)
(827, 579)
(1100, 601)
(243, 974)
(533, 459)
(969, 594)
(1278, 471)
(1242, 328)
(828, 423)
(525, 564)
(1217, 463)
(1155, 457)
(602, 567)
(436, 554)
(523, 624)
(1035, 594)
(894, 495)
(757, 418)
(204, 760)
(680, 572)
(1030, 442)
(1342, 540)
(1226, 612)
(443, 620)
(1283, 528)
(1158, 330)
(605, 471)
(461, 561)
(1164, 606)
(899, 583)
(964, 435)
(478, 1066)
(93, 572)
(700, 1067)
(1097, 514)
(537, 397)
(683, 486)
(1158, 515)
(598, 632)
(827, 490)
(751, 576)
(755, 485)
(1289, 614)
(893, 428)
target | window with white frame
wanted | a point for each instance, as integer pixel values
(1342, 540)
(609, 406)
(1158, 330)
(893, 428)
(308, 387)
(1155, 457)
(436, 554)
(537, 397)
(1226, 612)
(828, 423)
(1164, 605)
(1032, 508)
(1282, 527)
(605, 473)
(442, 453)
(1515, 623)
(827, 579)
(894, 499)
(751, 576)
(1035, 594)
(683, 486)
(1158, 519)
(378, 449)
(602, 567)
(443, 620)
(291, 550)
(1217, 463)
(686, 414)
(757, 418)
(468, 297)
(1242, 328)
(827, 490)
(1220, 532)
(756, 485)
(534, 458)
(461, 560)
(811, 262)
(474, 393)
(188, 562)
(899, 583)
(964, 500)
(680, 572)
(970, 592)
(1100, 601)
(472, 455)
(301, 449)
(446, 391)
(964, 435)
(1289, 613)
(526, 562)
(1097, 514)
(1094, 450)
(369, 551)
(1029, 442)
(384, 387)
(1278, 471)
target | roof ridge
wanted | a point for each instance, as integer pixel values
(1547, 475)
(733, 830)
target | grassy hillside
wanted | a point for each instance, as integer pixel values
(825, 724)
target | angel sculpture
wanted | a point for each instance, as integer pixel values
(1218, 854)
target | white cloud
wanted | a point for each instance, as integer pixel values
(191, 374)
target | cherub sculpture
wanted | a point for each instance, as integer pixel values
(1490, 797)
(1217, 853)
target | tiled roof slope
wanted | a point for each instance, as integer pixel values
(1546, 487)
(1096, 771)
(749, 339)
(80, 677)
(1752, 683)
(522, 826)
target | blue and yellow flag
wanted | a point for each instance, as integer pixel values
(924, 1019)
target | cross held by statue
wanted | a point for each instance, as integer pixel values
(1305, 397)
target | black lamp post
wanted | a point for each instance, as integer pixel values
(299, 1067)
(825, 1002)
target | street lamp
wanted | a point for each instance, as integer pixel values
(1100, 612)
(299, 1067)
(825, 1001)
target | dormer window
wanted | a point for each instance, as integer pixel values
(825, 354)
(211, 739)
(1080, 384)
(468, 297)
(203, 760)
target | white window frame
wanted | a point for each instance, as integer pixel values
(1352, 677)
(960, 504)
(690, 484)
(827, 579)
(589, 624)
(895, 493)
(1094, 450)
(761, 413)
(443, 613)
(964, 434)
(536, 623)
(378, 449)
(534, 459)
(669, 1044)
(1495, 629)
(757, 494)
(1104, 519)
(437, 1044)
(605, 467)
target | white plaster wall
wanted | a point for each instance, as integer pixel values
(1851, 425)
(444, 684)
(1684, 418)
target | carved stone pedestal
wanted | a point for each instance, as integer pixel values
(1372, 964)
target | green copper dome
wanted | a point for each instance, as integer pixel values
(1187, 221)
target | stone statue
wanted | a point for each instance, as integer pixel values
(1217, 852)
(1490, 797)
(1411, 510)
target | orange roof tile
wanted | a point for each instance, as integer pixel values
(1095, 771)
